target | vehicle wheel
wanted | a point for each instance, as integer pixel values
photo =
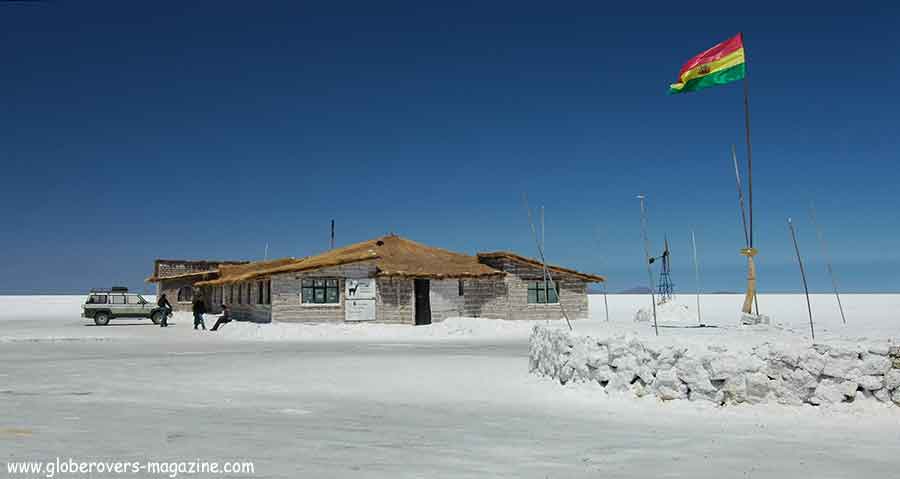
(156, 317)
(101, 319)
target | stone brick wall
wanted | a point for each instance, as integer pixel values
(286, 289)
(486, 298)
(170, 288)
(395, 302)
(789, 373)
(572, 294)
(445, 300)
(164, 268)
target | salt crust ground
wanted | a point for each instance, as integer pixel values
(412, 404)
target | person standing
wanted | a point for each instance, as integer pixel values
(199, 308)
(163, 303)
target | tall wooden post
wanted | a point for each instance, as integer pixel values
(812, 215)
(812, 329)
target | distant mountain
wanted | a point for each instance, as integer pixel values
(636, 290)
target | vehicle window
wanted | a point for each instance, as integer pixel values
(133, 299)
(117, 299)
(97, 299)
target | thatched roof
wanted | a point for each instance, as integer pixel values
(392, 256)
(200, 269)
(533, 262)
(234, 273)
(200, 275)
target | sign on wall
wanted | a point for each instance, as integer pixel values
(360, 288)
(360, 299)
(360, 310)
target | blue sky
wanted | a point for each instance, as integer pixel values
(205, 130)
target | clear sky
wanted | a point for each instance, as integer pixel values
(136, 130)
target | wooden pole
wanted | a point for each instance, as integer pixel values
(605, 303)
(812, 215)
(697, 276)
(812, 329)
(647, 260)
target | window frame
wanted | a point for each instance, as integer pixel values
(538, 286)
(104, 296)
(324, 288)
(178, 295)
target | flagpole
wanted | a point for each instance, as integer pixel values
(749, 144)
(749, 167)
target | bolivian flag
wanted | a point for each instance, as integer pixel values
(721, 64)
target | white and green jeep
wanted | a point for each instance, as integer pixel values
(102, 305)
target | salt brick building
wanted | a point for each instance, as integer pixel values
(387, 280)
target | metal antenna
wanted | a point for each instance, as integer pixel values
(647, 259)
(812, 215)
(266, 256)
(696, 275)
(544, 261)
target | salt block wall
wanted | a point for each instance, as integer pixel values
(445, 299)
(819, 374)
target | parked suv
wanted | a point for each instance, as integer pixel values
(102, 305)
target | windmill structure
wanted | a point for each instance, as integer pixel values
(665, 288)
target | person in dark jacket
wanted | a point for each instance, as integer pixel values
(199, 308)
(224, 318)
(163, 303)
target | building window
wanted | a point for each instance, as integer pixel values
(543, 292)
(460, 288)
(269, 291)
(185, 294)
(249, 290)
(260, 292)
(320, 291)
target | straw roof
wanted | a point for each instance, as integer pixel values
(533, 262)
(210, 271)
(392, 255)
(233, 273)
(196, 274)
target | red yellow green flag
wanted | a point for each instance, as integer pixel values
(721, 64)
